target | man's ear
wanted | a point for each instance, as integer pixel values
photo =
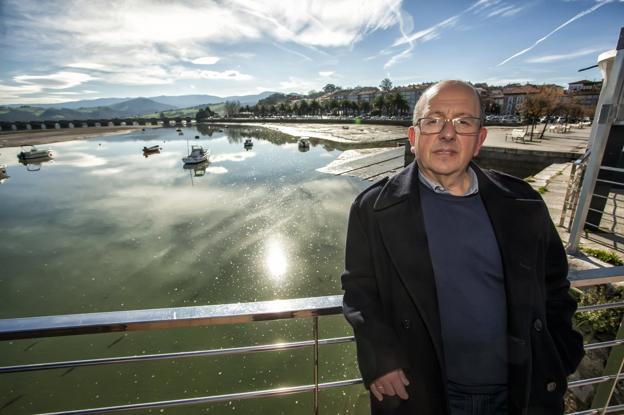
(411, 135)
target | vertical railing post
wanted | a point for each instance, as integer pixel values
(612, 367)
(316, 365)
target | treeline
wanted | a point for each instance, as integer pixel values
(385, 104)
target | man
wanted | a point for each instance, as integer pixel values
(455, 279)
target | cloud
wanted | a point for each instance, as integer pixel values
(326, 74)
(230, 74)
(561, 26)
(506, 11)
(88, 65)
(571, 55)
(206, 60)
(291, 51)
(59, 80)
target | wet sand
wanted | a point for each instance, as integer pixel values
(340, 133)
(36, 137)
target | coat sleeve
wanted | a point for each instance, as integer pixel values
(378, 347)
(560, 306)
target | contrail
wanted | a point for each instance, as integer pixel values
(578, 16)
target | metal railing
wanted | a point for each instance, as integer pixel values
(121, 321)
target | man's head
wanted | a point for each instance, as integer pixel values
(447, 153)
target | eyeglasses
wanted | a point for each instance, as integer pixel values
(462, 125)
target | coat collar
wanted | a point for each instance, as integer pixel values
(405, 184)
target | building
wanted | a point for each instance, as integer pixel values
(586, 94)
(514, 96)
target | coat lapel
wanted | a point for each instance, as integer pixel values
(402, 229)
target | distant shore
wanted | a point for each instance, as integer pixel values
(37, 137)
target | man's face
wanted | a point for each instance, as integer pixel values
(447, 153)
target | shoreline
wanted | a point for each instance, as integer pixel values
(38, 137)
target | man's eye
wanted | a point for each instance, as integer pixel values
(431, 121)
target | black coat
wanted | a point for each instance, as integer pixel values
(390, 295)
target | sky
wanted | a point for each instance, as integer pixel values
(57, 51)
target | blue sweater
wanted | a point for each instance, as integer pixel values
(470, 287)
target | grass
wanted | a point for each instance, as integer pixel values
(603, 255)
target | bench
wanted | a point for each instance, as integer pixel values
(517, 134)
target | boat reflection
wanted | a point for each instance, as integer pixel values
(34, 164)
(3, 174)
(197, 169)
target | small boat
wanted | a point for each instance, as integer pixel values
(304, 143)
(196, 137)
(198, 155)
(34, 153)
(179, 130)
(2, 170)
(151, 149)
(248, 143)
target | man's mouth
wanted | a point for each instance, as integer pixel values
(444, 152)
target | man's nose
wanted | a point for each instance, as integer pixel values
(448, 131)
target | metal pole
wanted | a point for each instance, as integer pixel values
(605, 115)
(604, 409)
(316, 365)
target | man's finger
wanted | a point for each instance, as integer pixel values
(403, 378)
(400, 390)
(388, 389)
(376, 393)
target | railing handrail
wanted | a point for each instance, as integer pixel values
(160, 318)
(175, 317)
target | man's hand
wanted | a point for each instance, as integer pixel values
(390, 384)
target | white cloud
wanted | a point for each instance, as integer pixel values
(561, 26)
(230, 74)
(88, 65)
(326, 74)
(59, 80)
(206, 60)
(505, 81)
(566, 56)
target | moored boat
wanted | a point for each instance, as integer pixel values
(198, 155)
(34, 153)
(151, 149)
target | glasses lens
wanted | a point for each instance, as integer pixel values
(431, 125)
(466, 125)
(462, 125)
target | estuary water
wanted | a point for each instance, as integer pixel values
(102, 227)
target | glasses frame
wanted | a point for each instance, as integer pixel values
(452, 121)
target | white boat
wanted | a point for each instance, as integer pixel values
(34, 153)
(198, 155)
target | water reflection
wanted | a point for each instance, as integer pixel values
(198, 169)
(275, 258)
(34, 164)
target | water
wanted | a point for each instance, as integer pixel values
(103, 228)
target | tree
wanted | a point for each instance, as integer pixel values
(364, 107)
(385, 85)
(330, 88)
(315, 107)
(231, 108)
(379, 103)
(304, 107)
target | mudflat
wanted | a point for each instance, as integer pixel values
(35, 137)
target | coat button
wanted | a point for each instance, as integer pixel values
(538, 325)
(406, 324)
(551, 386)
